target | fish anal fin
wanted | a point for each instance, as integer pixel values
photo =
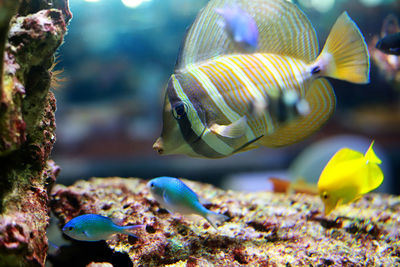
(234, 130)
(321, 100)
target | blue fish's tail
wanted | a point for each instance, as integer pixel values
(127, 229)
(213, 218)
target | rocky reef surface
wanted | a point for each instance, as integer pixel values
(30, 33)
(264, 229)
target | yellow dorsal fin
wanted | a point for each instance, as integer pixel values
(370, 155)
(321, 100)
(283, 29)
(345, 154)
(342, 155)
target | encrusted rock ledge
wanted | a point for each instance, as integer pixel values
(30, 33)
(265, 229)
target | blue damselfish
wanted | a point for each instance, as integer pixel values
(175, 196)
(94, 227)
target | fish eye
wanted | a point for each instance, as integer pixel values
(152, 185)
(325, 195)
(179, 110)
(70, 228)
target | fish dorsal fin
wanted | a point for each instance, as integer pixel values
(283, 29)
(345, 154)
(341, 156)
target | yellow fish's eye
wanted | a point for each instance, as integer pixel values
(179, 110)
(324, 195)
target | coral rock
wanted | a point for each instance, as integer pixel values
(30, 33)
(264, 228)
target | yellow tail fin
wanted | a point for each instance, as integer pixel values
(345, 54)
(370, 155)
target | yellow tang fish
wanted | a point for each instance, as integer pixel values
(222, 100)
(347, 176)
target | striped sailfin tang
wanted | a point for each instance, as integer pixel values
(283, 29)
(321, 100)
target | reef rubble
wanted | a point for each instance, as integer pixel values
(264, 229)
(30, 33)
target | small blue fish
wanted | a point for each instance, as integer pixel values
(94, 227)
(240, 26)
(175, 196)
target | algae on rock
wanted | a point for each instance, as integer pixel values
(264, 229)
(30, 33)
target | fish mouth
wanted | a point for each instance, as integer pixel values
(158, 146)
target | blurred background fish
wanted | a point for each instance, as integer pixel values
(240, 26)
(220, 102)
(380, 49)
(390, 44)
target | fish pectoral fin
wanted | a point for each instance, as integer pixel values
(234, 130)
(86, 233)
(168, 203)
(165, 197)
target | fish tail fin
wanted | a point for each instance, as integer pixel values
(374, 177)
(345, 54)
(127, 229)
(370, 155)
(213, 218)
